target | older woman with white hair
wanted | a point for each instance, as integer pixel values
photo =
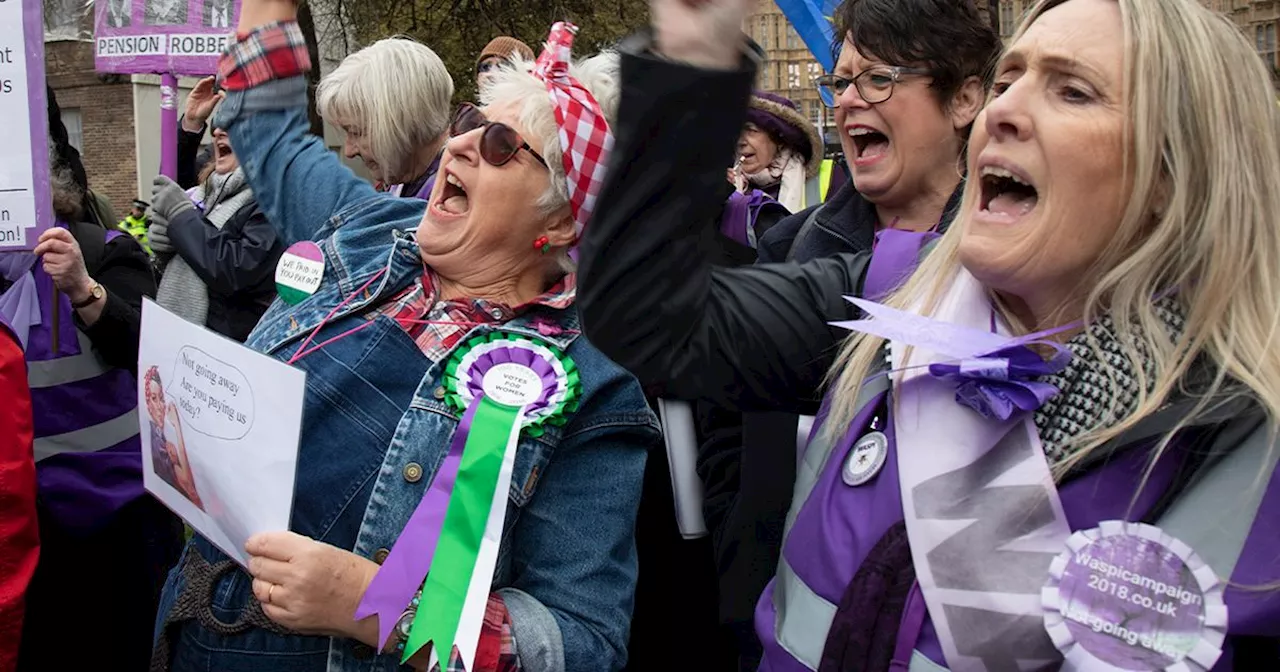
(463, 449)
(392, 99)
(1054, 445)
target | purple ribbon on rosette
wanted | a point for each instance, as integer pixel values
(993, 373)
(401, 573)
(407, 564)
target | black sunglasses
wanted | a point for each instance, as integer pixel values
(499, 143)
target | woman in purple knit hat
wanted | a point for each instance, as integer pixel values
(778, 151)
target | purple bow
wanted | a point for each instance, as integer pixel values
(999, 384)
(993, 372)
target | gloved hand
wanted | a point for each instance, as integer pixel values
(158, 235)
(168, 200)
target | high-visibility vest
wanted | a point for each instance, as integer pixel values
(824, 178)
(136, 227)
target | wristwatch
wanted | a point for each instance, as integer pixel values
(97, 291)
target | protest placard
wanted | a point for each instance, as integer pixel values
(178, 37)
(25, 208)
(220, 430)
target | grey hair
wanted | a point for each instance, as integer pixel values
(67, 196)
(599, 74)
(397, 91)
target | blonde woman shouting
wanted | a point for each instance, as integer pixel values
(1055, 440)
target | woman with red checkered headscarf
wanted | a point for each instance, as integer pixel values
(469, 468)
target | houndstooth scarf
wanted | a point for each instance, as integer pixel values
(1084, 400)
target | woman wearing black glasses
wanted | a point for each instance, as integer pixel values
(909, 80)
(462, 449)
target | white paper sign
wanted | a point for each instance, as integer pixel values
(220, 429)
(25, 208)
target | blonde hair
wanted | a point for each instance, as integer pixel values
(398, 92)
(1201, 150)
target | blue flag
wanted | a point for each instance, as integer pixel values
(812, 20)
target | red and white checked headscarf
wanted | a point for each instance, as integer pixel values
(585, 138)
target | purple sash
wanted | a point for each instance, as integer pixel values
(895, 257)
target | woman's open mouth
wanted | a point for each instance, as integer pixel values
(453, 197)
(871, 145)
(221, 149)
(1005, 194)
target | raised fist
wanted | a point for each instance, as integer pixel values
(702, 33)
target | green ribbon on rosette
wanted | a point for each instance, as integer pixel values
(505, 384)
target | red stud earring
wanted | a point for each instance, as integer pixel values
(541, 243)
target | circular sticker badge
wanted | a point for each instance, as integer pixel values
(1127, 596)
(865, 459)
(299, 272)
(512, 384)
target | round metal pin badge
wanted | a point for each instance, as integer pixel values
(865, 459)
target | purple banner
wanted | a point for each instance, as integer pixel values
(179, 37)
(25, 207)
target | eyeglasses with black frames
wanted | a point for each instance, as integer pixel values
(874, 85)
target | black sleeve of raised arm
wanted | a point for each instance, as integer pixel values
(752, 338)
(188, 152)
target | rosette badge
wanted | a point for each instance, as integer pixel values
(514, 372)
(1128, 596)
(502, 385)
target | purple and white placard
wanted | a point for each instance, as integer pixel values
(1127, 596)
(179, 37)
(25, 208)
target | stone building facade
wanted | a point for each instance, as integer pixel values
(789, 68)
(1258, 19)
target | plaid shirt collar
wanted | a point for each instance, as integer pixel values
(560, 296)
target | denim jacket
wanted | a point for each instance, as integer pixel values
(376, 427)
